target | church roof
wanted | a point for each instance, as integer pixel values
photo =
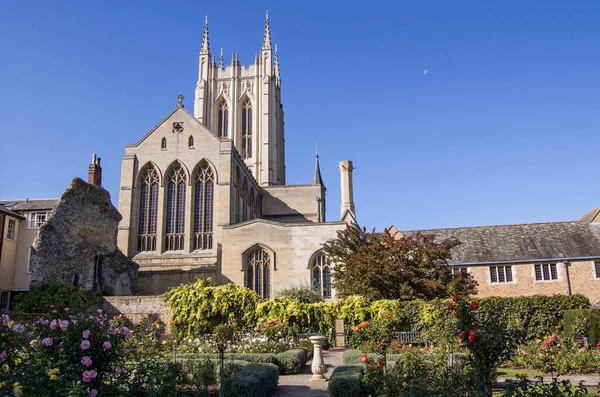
(520, 243)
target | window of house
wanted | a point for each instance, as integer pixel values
(597, 268)
(175, 222)
(11, 232)
(4, 301)
(501, 274)
(203, 208)
(37, 219)
(191, 142)
(459, 271)
(258, 271)
(321, 275)
(546, 272)
(148, 210)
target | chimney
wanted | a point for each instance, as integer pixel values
(346, 169)
(95, 171)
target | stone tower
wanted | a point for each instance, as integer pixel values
(243, 104)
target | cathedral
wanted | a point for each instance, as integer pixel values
(205, 194)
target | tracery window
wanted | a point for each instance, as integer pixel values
(246, 129)
(203, 208)
(258, 271)
(163, 144)
(222, 119)
(148, 214)
(191, 141)
(321, 274)
(175, 221)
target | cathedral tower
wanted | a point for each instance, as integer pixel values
(243, 104)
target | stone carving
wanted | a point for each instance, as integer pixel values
(78, 244)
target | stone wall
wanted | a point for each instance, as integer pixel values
(136, 308)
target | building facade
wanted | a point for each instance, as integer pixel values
(204, 194)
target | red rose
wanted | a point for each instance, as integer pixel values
(371, 367)
(471, 338)
(450, 306)
(456, 298)
(381, 361)
(364, 358)
(461, 335)
(474, 305)
(456, 314)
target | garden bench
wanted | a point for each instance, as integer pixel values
(305, 336)
(411, 337)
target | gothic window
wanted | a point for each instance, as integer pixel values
(321, 274)
(163, 144)
(148, 214)
(190, 142)
(244, 202)
(175, 221)
(246, 129)
(203, 208)
(238, 188)
(258, 271)
(222, 119)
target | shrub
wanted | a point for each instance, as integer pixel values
(566, 356)
(304, 294)
(574, 322)
(55, 296)
(346, 381)
(524, 387)
(355, 357)
(256, 380)
(291, 361)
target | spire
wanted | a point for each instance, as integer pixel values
(221, 59)
(267, 36)
(205, 45)
(256, 58)
(317, 180)
(276, 69)
(233, 58)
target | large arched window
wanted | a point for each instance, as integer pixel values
(321, 274)
(203, 208)
(148, 214)
(246, 129)
(175, 222)
(222, 119)
(258, 271)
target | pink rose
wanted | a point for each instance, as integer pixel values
(53, 324)
(19, 328)
(99, 311)
(86, 334)
(5, 319)
(3, 356)
(126, 332)
(63, 324)
(47, 342)
(86, 361)
(106, 345)
(93, 393)
(85, 345)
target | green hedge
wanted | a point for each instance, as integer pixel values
(346, 381)
(256, 380)
(593, 315)
(291, 361)
(193, 366)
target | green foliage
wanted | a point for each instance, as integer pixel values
(346, 381)
(565, 357)
(291, 361)
(307, 346)
(256, 380)
(524, 387)
(198, 307)
(304, 294)
(574, 321)
(383, 266)
(351, 356)
(200, 374)
(55, 296)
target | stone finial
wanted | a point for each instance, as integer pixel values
(267, 35)
(276, 67)
(180, 101)
(205, 49)
(221, 59)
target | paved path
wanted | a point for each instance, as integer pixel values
(300, 385)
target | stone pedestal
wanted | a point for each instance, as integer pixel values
(318, 365)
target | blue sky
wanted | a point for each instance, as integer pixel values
(503, 128)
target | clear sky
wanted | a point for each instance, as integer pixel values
(455, 113)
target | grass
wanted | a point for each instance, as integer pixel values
(507, 372)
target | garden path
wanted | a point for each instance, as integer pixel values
(300, 385)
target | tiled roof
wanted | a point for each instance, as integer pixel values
(590, 216)
(521, 243)
(11, 213)
(29, 205)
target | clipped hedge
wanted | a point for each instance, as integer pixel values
(571, 316)
(193, 366)
(256, 380)
(291, 361)
(346, 381)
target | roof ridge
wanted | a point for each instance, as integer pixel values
(488, 226)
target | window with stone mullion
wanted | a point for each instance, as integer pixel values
(175, 224)
(148, 211)
(246, 143)
(203, 208)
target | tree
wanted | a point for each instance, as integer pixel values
(382, 266)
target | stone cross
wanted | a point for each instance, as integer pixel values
(180, 100)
